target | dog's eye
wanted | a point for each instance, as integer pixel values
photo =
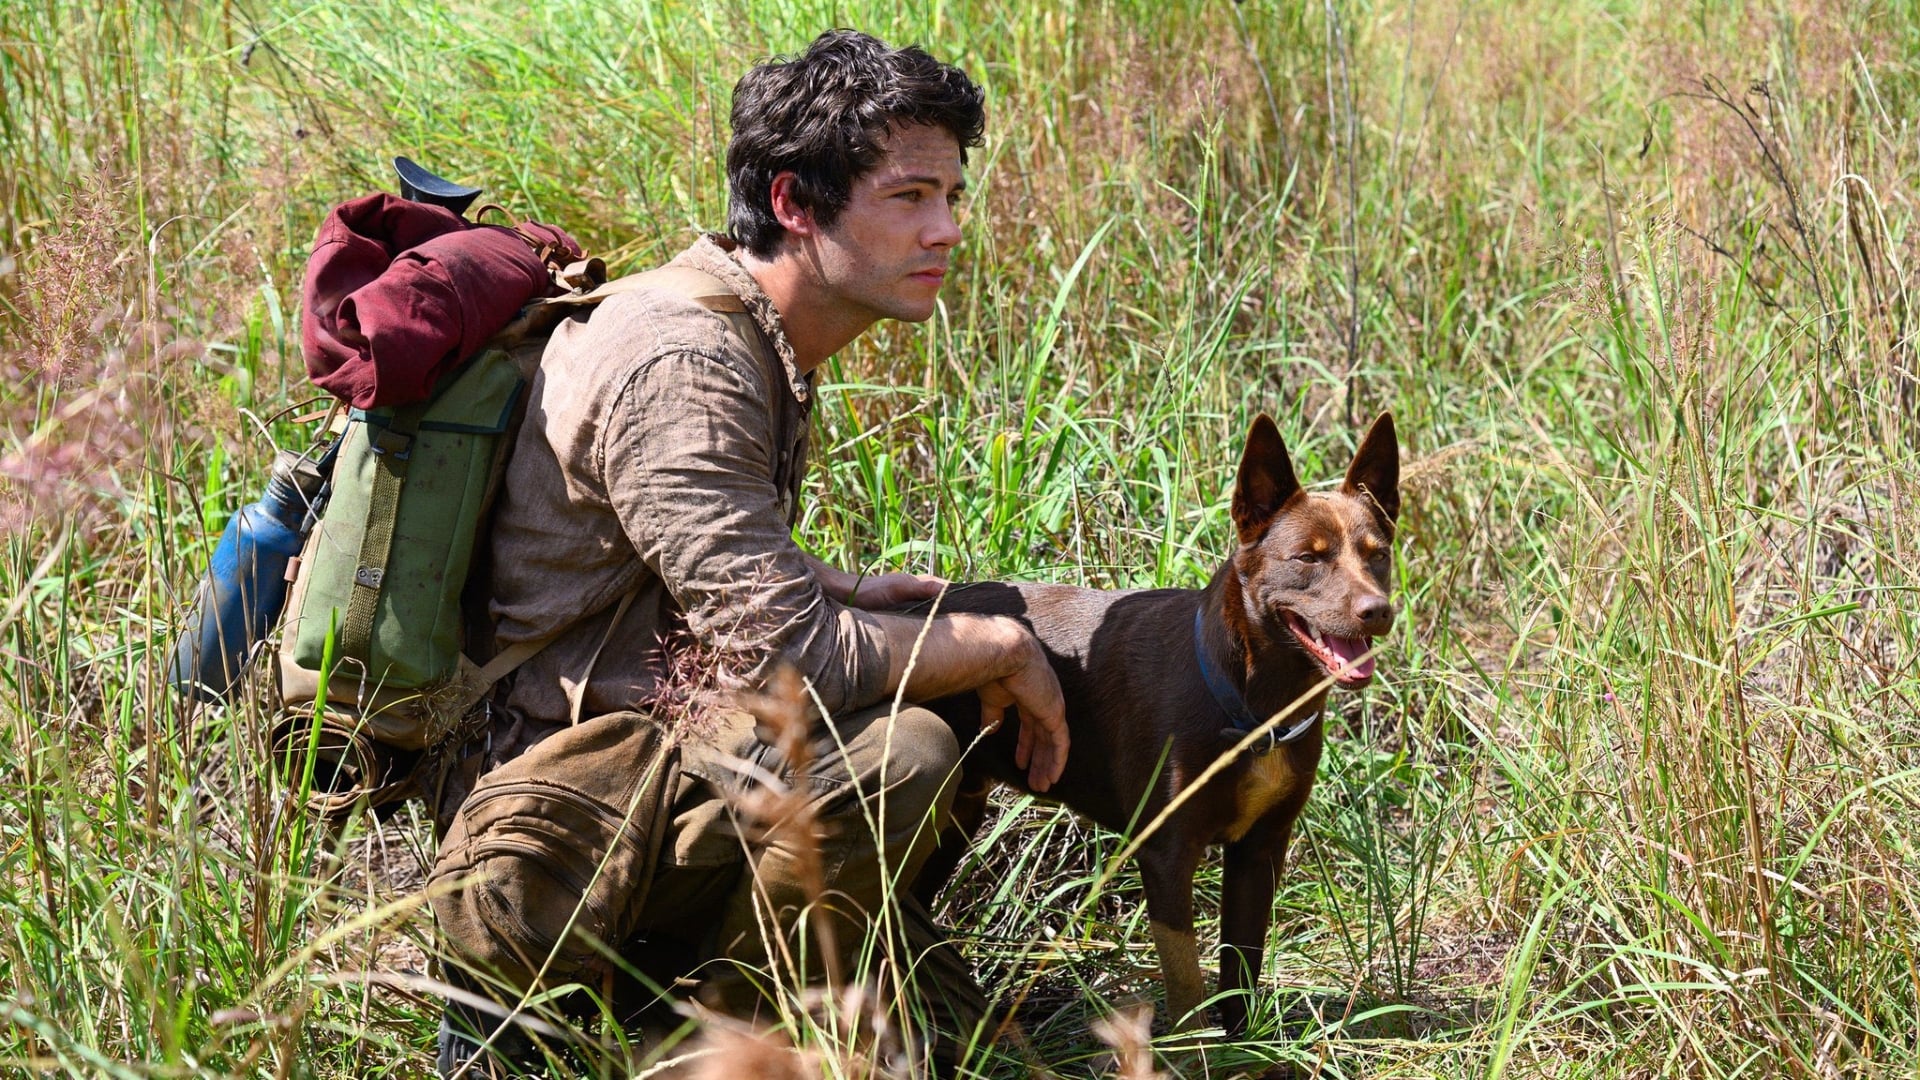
(1309, 557)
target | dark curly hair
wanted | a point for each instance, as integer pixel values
(821, 116)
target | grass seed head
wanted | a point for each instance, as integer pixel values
(1129, 1034)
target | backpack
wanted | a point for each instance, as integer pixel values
(375, 687)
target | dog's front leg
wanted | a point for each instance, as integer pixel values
(1166, 871)
(1250, 878)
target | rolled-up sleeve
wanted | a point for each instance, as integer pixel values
(688, 463)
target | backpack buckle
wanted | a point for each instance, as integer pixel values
(389, 441)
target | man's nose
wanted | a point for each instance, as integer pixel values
(945, 230)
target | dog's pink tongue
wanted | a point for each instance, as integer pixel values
(1349, 649)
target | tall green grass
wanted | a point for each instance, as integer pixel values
(1635, 794)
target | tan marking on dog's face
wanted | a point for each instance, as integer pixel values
(1318, 579)
(1179, 953)
(1322, 557)
(1268, 780)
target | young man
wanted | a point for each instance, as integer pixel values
(653, 491)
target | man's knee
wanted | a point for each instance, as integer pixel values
(924, 743)
(921, 758)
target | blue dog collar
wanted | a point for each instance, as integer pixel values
(1234, 705)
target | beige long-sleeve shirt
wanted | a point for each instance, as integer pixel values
(662, 455)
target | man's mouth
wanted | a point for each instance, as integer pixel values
(1341, 656)
(931, 277)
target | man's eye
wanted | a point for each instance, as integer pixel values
(910, 195)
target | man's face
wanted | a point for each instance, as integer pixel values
(886, 255)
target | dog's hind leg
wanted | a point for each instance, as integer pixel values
(1166, 871)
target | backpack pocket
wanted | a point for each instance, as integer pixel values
(383, 572)
(550, 860)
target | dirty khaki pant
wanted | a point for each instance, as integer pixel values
(876, 787)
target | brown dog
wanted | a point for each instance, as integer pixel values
(1162, 683)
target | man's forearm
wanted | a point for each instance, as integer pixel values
(950, 654)
(997, 658)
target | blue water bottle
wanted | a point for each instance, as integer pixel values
(245, 589)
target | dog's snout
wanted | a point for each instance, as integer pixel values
(1375, 613)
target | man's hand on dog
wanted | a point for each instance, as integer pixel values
(955, 653)
(997, 658)
(875, 592)
(883, 592)
(1035, 691)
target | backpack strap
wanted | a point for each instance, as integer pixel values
(696, 285)
(510, 658)
(394, 447)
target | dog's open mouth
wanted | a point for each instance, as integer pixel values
(1341, 656)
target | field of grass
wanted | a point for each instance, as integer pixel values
(1638, 789)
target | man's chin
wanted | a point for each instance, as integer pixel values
(914, 313)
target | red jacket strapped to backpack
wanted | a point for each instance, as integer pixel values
(398, 294)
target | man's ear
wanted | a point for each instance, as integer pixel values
(1375, 472)
(787, 210)
(1266, 480)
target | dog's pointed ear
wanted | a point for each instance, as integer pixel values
(1266, 480)
(1375, 472)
